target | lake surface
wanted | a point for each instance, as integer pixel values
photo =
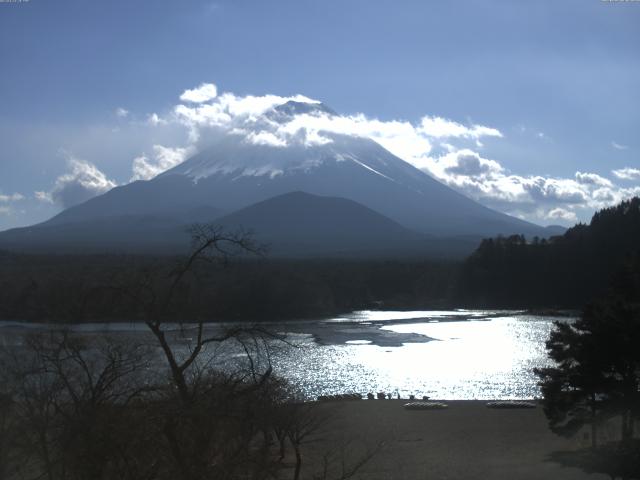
(455, 355)
(462, 355)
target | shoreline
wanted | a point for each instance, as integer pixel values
(356, 327)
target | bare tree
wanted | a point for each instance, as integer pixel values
(210, 425)
(210, 244)
(69, 403)
(93, 407)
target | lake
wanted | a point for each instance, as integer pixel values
(448, 355)
(455, 355)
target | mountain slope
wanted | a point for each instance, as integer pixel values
(233, 174)
(299, 223)
(229, 176)
(242, 168)
(147, 233)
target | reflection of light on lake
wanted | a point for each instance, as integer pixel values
(463, 347)
(477, 354)
(484, 359)
(366, 316)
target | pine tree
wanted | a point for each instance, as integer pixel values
(597, 372)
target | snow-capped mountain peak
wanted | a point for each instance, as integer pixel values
(300, 145)
(292, 137)
(293, 108)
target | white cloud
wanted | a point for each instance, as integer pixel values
(203, 93)
(627, 173)
(122, 112)
(468, 163)
(265, 138)
(592, 179)
(164, 158)
(7, 201)
(438, 127)
(82, 182)
(399, 137)
(439, 146)
(556, 190)
(562, 215)
(227, 113)
(533, 197)
(155, 120)
(232, 114)
(618, 146)
(15, 197)
(43, 196)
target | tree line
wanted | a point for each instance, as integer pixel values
(565, 271)
(511, 272)
(69, 289)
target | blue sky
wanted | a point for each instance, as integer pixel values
(557, 79)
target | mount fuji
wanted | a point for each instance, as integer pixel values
(345, 178)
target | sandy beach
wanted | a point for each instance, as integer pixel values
(465, 441)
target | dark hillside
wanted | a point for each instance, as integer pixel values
(565, 271)
(90, 288)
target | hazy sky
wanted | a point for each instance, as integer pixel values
(531, 107)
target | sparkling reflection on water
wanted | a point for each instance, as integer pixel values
(491, 358)
(455, 355)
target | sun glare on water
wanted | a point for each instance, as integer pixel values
(492, 358)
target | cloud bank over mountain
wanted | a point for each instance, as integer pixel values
(82, 182)
(450, 151)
